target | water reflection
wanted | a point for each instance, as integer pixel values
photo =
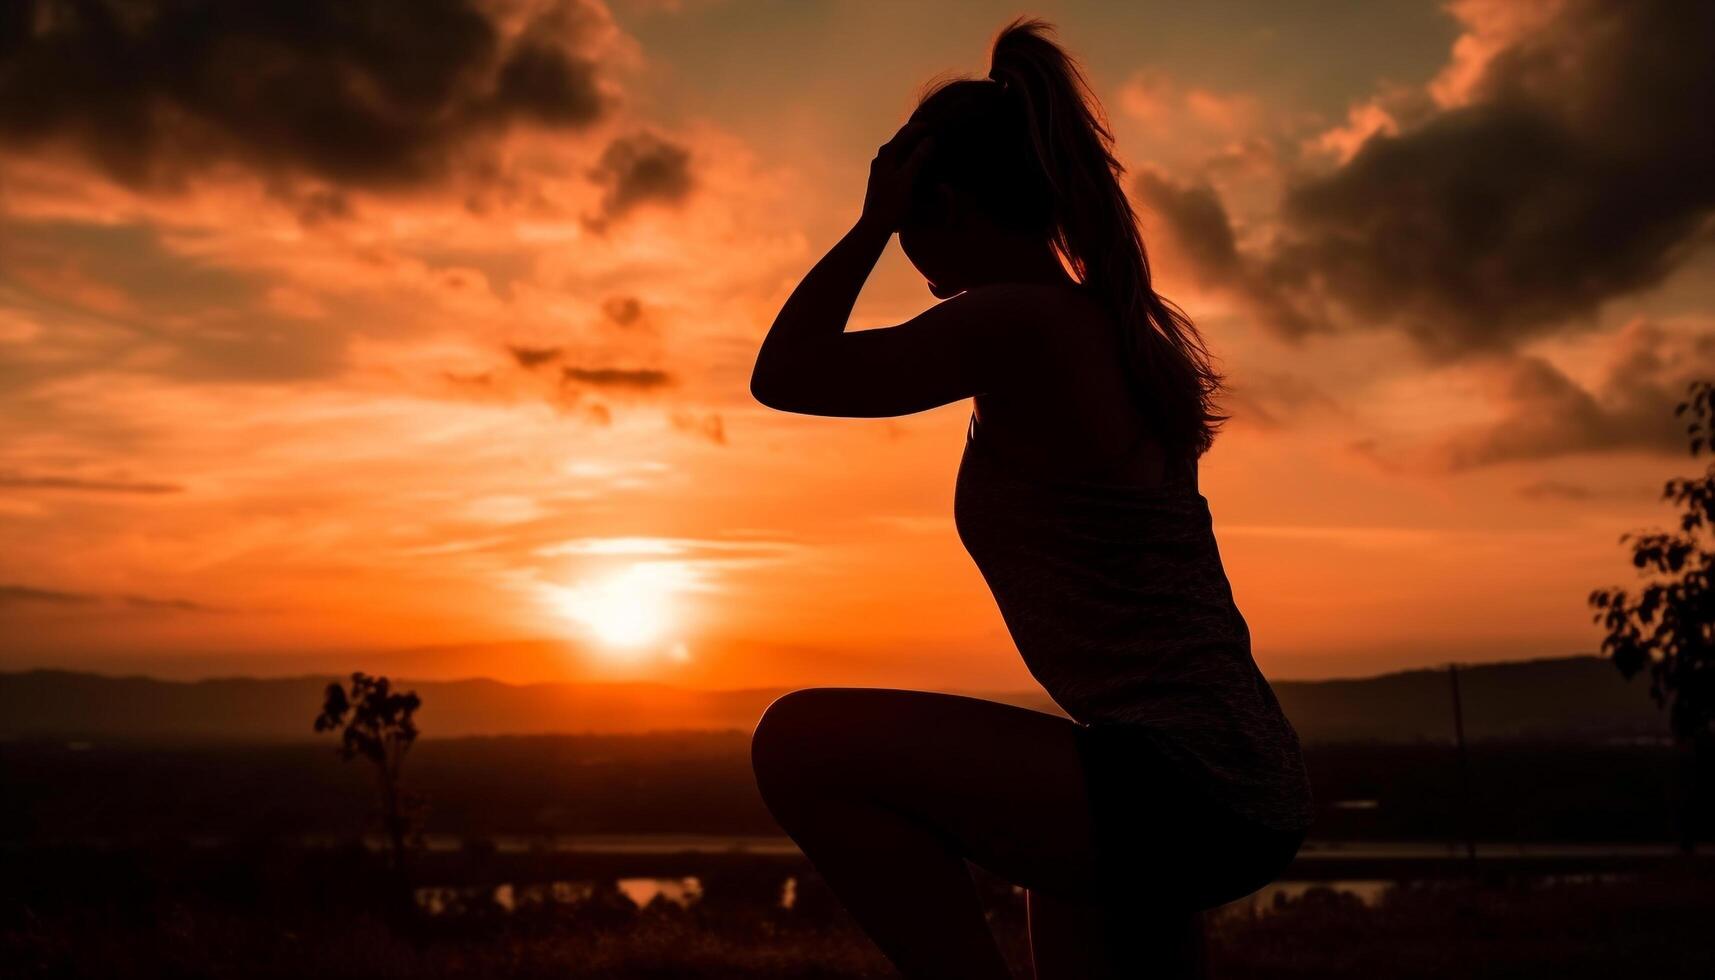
(513, 896)
(510, 897)
(683, 892)
(1366, 891)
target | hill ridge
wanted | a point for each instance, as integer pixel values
(1551, 697)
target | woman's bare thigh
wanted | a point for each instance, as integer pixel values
(1002, 786)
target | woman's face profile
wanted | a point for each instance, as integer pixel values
(934, 244)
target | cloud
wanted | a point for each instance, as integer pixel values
(1195, 218)
(1198, 224)
(534, 357)
(1545, 413)
(639, 169)
(164, 605)
(1158, 100)
(1560, 161)
(622, 311)
(710, 426)
(371, 93)
(13, 595)
(570, 388)
(638, 379)
(1392, 109)
(52, 481)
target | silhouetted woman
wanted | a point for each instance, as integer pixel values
(1180, 784)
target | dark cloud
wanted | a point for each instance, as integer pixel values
(571, 389)
(48, 481)
(1197, 222)
(1545, 413)
(534, 357)
(623, 311)
(15, 596)
(639, 379)
(639, 169)
(1577, 170)
(358, 92)
(164, 605)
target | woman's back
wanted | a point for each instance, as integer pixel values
(1118, 602)
(1074, 413)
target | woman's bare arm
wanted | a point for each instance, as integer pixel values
(974, 343)
(813, 320)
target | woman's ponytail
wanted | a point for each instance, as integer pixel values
(1095, 229)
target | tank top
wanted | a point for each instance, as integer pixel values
(1118, 603)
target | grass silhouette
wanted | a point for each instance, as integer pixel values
(264, 912)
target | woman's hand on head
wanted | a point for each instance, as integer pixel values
(892, 174)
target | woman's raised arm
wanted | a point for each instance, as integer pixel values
(977, 342)
(809, 364)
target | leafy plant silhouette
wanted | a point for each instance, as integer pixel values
(379, 725)
(1668, 625)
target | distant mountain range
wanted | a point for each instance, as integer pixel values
(1571, 697)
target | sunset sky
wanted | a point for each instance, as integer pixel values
(415, 335)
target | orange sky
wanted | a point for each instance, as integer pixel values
(429, 355)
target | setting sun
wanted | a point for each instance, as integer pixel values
(629, 608)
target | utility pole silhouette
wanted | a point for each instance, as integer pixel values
(1464, 768)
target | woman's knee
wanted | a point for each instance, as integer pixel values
(790, 743)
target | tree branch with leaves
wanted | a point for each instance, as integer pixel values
(1667, 626)
(379, 725)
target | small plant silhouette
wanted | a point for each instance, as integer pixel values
(1668, 625)
(378, 725)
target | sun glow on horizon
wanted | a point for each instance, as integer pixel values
(627, 609)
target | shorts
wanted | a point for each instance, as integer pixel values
(1161, 838)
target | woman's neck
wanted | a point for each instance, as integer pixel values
(1010, 259)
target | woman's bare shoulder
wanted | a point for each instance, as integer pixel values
(1052, 315)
